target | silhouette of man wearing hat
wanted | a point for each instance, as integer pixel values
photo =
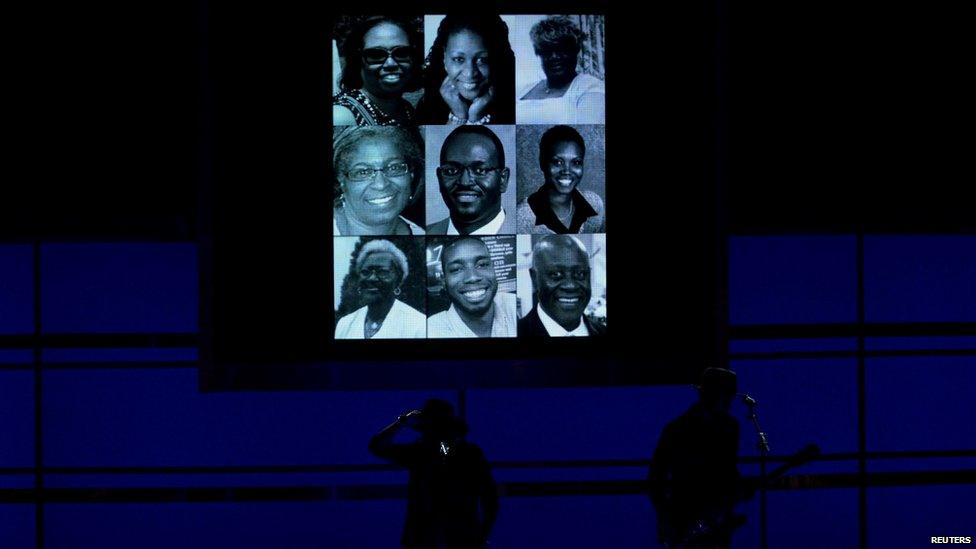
(452, 501)
(693, 478)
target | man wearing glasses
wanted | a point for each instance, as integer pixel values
(473, 177)
(561, 281)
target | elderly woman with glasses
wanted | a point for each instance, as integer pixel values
(382, 61)
(378, 176)
(564, 96)
(380, 269)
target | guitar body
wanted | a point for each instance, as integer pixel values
(712, 532)
(713, 529)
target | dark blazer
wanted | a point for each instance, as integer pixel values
(531, 326)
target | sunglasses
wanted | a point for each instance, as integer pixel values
(378, 56)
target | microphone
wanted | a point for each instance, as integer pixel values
(748, 400)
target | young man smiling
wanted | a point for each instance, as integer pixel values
(477, 308)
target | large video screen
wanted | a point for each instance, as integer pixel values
(469, 163)
(448, 227)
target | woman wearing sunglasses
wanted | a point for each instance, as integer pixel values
(469, 73)
(382, 61)
(378, 175)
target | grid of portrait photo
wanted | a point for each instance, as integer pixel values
(469, 176)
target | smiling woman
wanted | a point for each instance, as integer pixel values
(469, 73)
(565, 203)
(572, 90)
(380, 295)
(378, 175)
(382, 61)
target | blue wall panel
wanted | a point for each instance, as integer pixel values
(792, 279)
(135, 354)
(16, 419)
(225, 479)
(921, 403)
(568, 424)
(920, 278)
(293, 525)
(17, 481)
(800, 401)
(16, 289)
(158, 417)
(579, 522)
(16, 526)
(909, 517)
(813, 519)
(122, 417)
(16, 356)
(119, 288)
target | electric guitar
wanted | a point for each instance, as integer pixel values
(709, 530)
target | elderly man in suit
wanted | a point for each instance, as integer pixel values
(561, 280)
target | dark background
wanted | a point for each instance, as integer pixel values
(269, 267)
(847, 278)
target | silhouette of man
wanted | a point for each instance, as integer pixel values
(451, 497)
(693, 478)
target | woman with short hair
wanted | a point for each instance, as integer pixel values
(564, 96)
(378, 172)
(380, 269)
(558, 206)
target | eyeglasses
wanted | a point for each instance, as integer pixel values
(454, 171)
(395, 169)
(380, 272)
(378, 56)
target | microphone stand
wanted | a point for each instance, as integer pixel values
(763, 444)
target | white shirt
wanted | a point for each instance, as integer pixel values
(574, 107)
(555, 330)
(415, 229)
(492, 227)
(402, 322)
(449, 323)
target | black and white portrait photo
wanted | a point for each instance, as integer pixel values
(561, 179)
(471, 284)
(564, 280)
(469, 70)
(560, 69)
(379, 288)
(474, 167)
(379, 181)
(378, 63)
